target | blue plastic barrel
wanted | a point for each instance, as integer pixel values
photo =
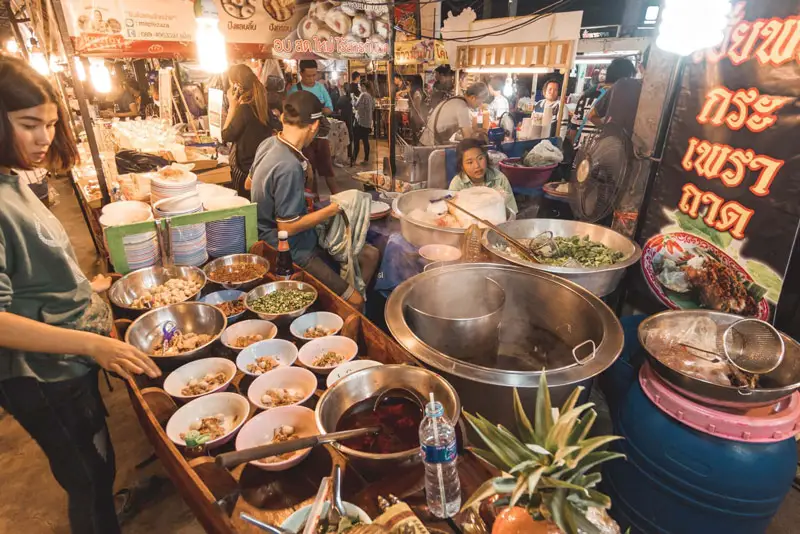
(677, 480)
(617, 379)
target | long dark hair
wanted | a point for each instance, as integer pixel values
(254, 94)
(466, 145)
(21, 87)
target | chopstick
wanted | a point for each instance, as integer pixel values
(316, 509)
(522, 249)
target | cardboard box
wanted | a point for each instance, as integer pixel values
(219, 175)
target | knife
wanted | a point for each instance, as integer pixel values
(232, 459)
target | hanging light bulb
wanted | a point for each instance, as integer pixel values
(211, 49)
(12, 47)
(79, 70)
(508, 89)
(37, 60)
(55, 64)
(101, 77)
(334, 76)
(688, 26)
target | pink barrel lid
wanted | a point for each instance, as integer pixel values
(761, 428)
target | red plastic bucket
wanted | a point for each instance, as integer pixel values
(528, 177)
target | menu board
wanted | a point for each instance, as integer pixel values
(722, 220)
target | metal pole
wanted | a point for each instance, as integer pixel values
(563, 103)
(390, 81)
(12, 17)
(69, 51)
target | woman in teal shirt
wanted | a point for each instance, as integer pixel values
(472, 160)
(53, 325)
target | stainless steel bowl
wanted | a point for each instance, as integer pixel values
(371, 382)
(547, 322)
(601, 280)
(190, 317)
(271, 287)
(774, 386)
(133, 285)
(417, 232)
(235, 259)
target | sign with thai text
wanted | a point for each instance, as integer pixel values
(722, 220)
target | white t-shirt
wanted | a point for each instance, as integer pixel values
(498, 106)
(451, 115)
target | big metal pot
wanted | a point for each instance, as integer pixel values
(546, 323)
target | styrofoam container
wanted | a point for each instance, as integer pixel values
(180, 377)
(260, 429)
(250, 327)
(233, 406)
(316, 348)
(297, 378)
(329, 321)
(284, 352)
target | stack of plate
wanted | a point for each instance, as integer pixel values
(188, 242)
(161, 188)
(227, 236)
(209, 192)
(141, 250)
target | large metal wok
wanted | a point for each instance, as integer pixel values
(601, 280)
(546, 322)
(772, 387)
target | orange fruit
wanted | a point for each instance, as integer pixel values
(517, 520)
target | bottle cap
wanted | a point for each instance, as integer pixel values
(283, 234)
(434, 409)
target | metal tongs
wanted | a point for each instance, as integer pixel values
(544, 245)
(168, 330)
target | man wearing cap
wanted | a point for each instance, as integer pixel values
(319, 151)
(278, 188)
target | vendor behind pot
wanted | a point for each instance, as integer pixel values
(453, 115)
(472, 160)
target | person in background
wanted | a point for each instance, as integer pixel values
(278, 185)
(333, 90)
(472, 161)
(443, 86)
(499, 104)
(53, 324)
(550, 100)
(247, 122)
(318, 152)
(621, 101)
(344, 109)
(418, 104)
(453, 115)
(364, 111)
(125, 99)
(356, 78)
(400, 87)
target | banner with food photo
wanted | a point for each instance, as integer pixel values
(167, 28)
(722, 220)
(331, 29)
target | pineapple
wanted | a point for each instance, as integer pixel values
(547, 466)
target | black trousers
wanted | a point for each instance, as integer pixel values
(361, 136)
(67, 420)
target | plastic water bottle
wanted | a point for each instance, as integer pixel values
(437, 439)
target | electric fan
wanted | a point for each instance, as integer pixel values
(600, 174)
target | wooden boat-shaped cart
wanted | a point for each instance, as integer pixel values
(217, 496)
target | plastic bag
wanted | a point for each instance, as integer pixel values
(542, 155)
(496, 157)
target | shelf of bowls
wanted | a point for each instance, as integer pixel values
(205, 221)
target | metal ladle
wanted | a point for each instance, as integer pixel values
(751, 345)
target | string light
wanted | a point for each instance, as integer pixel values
(211, 48)
(12, 46)
(79, 70)
(101, 77)
(37, 60)
(688, 26)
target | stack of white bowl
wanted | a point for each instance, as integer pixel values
(188, 242)
(141, 250)
(227, 236)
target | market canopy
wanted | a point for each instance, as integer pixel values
(252, 28)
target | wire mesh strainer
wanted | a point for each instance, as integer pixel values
(753, 346)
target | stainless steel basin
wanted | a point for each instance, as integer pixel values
(547, 323)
